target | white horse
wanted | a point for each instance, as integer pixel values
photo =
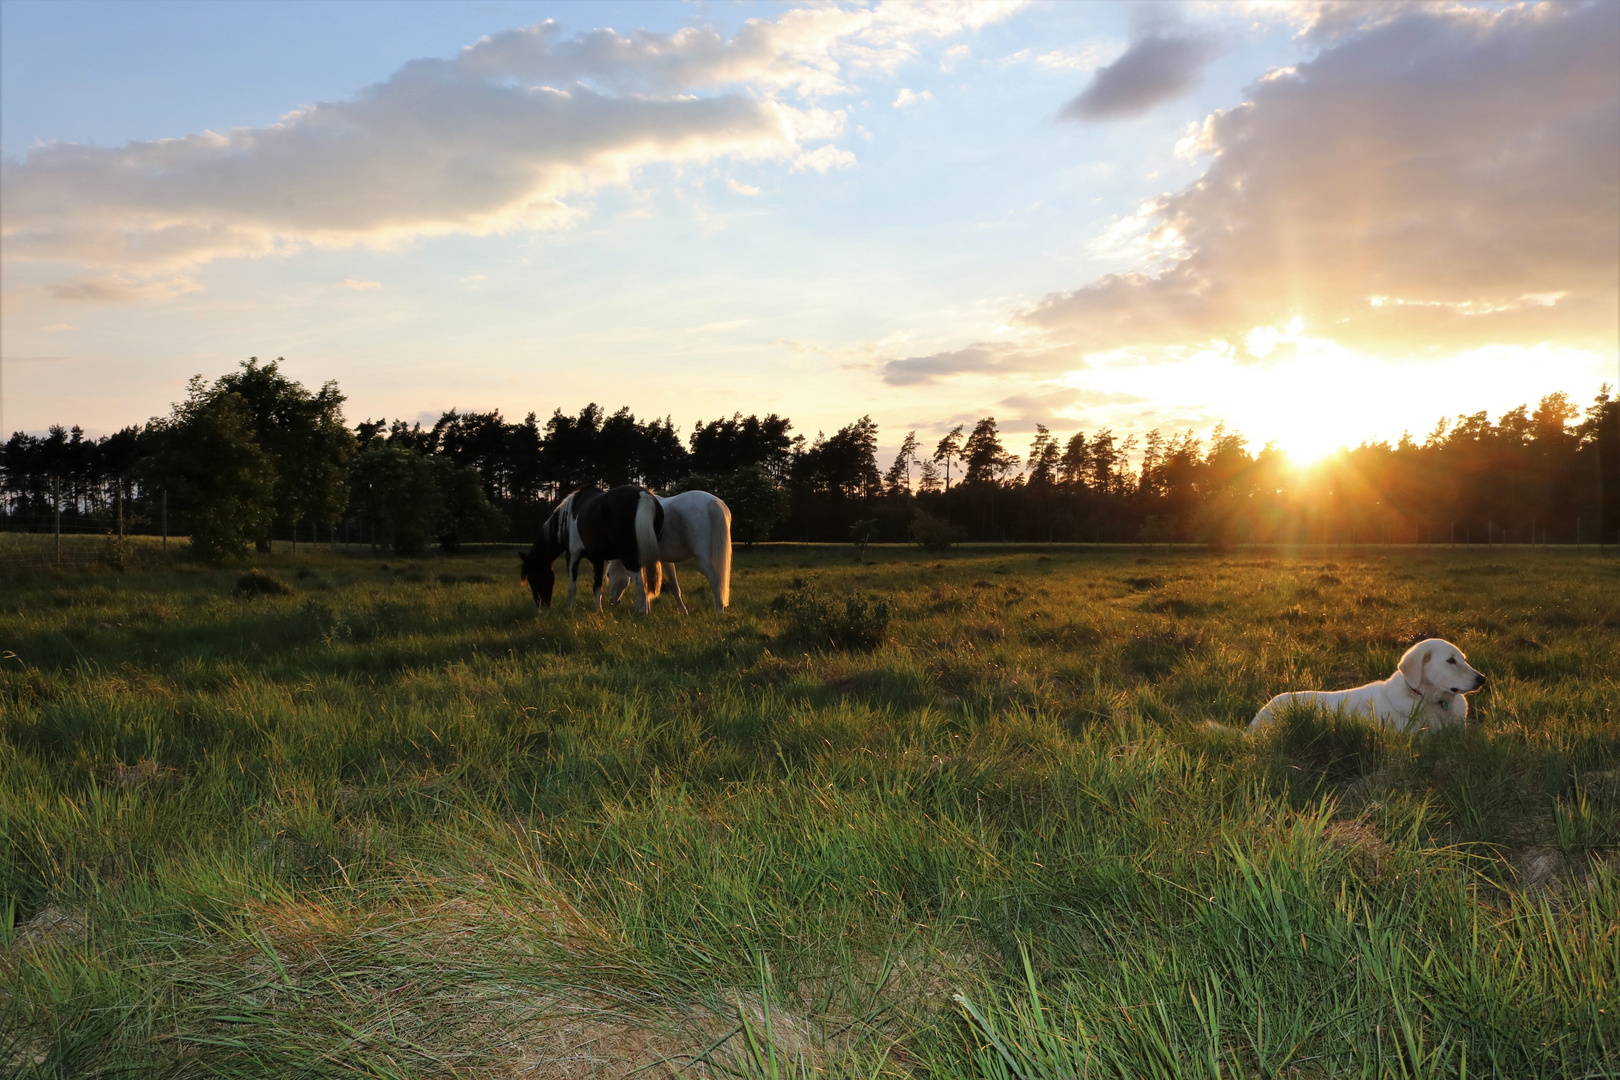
(697, 525)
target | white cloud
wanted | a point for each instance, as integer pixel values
(1086, 58)
(981, 358)
(500, 137)
(823, 158)
(907, 96)
(1462, 164)
(352, 283)
(741, 188)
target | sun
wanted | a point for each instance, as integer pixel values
(1307, 446)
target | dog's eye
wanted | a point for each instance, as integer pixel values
(1451, 659)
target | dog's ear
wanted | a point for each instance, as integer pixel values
(1411, 665)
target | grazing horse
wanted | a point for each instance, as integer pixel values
(601, 526)
(697, 525)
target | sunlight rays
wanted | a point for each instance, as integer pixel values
(1312, 396)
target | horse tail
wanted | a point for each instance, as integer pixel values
(720, 547)
(652, 571)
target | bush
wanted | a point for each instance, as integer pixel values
(259, 583)
(857, 624)
(934, 534)
(117, 554)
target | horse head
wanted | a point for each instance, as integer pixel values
(539, 575)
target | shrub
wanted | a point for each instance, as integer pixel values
(259, 583)
(860, 534)
(856, 624)
(933, 534)
(117, 554)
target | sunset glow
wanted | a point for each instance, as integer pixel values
(925, 214)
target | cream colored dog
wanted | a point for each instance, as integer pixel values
(1425, 693)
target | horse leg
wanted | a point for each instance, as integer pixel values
(675, 586)
(573, 578)
(638, 581)
(596, 584)
(713, 576)
(618, 580)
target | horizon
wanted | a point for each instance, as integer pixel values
(1321, 224)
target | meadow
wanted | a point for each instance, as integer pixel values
(996, 817)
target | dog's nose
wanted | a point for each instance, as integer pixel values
(1479, 681)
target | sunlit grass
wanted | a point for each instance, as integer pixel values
(393, 823)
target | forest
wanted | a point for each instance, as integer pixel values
(254, 457)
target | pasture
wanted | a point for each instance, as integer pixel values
(390, 822)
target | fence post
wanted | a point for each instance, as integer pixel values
(120, 508)
(165, 521)
(56, 493)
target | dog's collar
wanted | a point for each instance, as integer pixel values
(1444, 703)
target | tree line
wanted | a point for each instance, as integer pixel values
(254, 456)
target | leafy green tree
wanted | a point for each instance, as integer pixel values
(465, 513)
(206, 453)
(723, 446)
(986, 459)
(406, 500)
(1076, 460)
(756, 503)
(1044, 458)
(949, 449)
(898, 478)
(305, 438)
(844, 464)
(395, 491)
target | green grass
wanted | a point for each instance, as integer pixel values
(391, 823)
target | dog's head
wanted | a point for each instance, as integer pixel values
(1439, 671)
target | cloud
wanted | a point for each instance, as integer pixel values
(809, 50)
(1158, 68)
(500, 137)
(741, 188)
(907, 96)
(981, 358)
(1085, 59)
(1029, 410)
(352, 283)
(1447, 178)
(119, 289)
(823, 158)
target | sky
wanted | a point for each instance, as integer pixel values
(1320, 223)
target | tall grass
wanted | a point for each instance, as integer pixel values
(391, 822)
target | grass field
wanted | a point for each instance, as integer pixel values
(391, 823)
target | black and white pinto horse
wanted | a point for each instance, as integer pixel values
(601, 526)
(697, 525)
